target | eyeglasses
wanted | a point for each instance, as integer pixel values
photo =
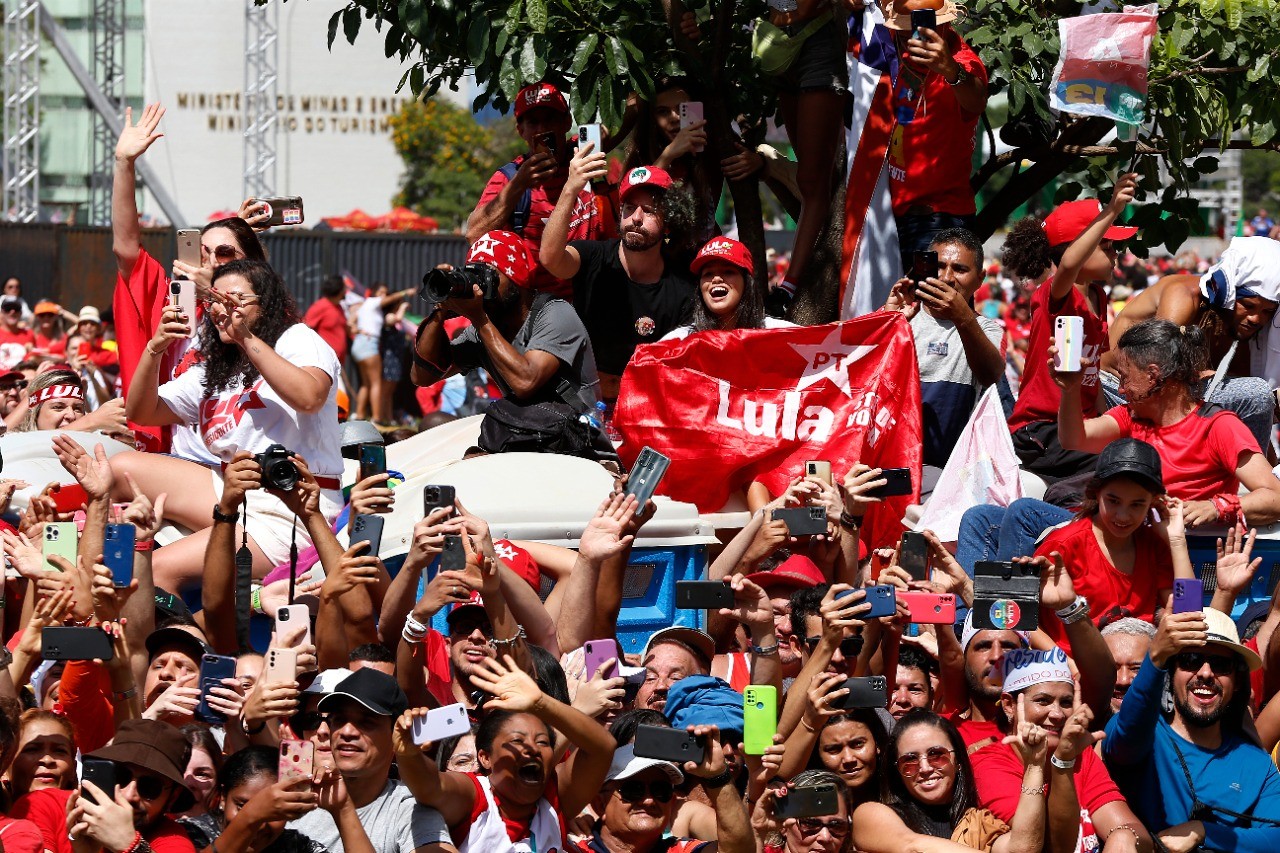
(12, 309)
(236, 299)
(850, 647)
(224, 252)
(308, 721)
(938, 757)
(1195, 661)
(149, 787)
(811, 826)
(634, 791)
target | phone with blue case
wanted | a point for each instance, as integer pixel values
(883, 601)
(117, 553)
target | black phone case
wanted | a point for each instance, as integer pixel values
(1006, 596)
(703, 595)
(285, 210)
(117, 552)
(868, 691)
(883, 601)
(100, 772)
(913, 556)
(454, 557)
(898, 483)
(368, 528)
(213, 668)
(809, 801)
(926, 18)
(61, 643)
(803, 520)
(434, 497)
(646, 474)
(668, 744)
(373, 460)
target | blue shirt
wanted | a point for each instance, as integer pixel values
(1239, 776)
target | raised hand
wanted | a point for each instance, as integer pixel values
(177, 703)
(605, 535)
(356, 568)
(751, 603)
(446, 588)
(145, 517)
(1235, 569)
(856, 488)
(371, 495)
(1027, 739)
(1076, 737)
(174, 326)
(137, 138)
(1056, 588)
(91, 472)
(512, 689)
(1177, 631)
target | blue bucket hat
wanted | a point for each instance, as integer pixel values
(703, 700)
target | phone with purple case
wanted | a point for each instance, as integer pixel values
(1188, 595)
(596, 652)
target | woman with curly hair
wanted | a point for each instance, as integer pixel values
(263, 378)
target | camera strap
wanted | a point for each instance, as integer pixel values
(244, 582)
(293, 562)
(1201, 810)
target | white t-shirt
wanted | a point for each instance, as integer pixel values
(685, 331)
(394, 822)
(369, 317)
(255, 418)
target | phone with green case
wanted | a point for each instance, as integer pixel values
(759, 718)
(60, 538)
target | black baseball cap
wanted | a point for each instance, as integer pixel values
(375, 690)
(1131, 458)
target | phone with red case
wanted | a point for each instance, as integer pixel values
(928, 608)
(297, 760)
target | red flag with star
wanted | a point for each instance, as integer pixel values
(754, 404)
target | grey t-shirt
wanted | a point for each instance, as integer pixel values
(394, 822)
(557, 330)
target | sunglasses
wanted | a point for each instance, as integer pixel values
(811, 826)
(634, 791)
(223, 252)
(16, 385)
(938, 757)
(1195, 661)
(149, 787)
(13, 309)
(850, 647)
(308, 721)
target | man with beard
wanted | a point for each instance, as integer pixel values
(1192, 775)
(984, 653)
(623, 289)
(529, 353)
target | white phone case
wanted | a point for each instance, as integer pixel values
(440, 723)
(292, 615)
(690, 112)
(1068, 338)
(590, 133)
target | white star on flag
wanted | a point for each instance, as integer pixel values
(829, 360)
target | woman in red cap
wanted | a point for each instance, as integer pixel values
(729, 300)
(1078, 238)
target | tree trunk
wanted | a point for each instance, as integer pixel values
(818, 299)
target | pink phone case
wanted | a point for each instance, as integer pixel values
(297, 759)
(597, 652)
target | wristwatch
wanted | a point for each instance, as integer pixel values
(219, 515)
(961, 76)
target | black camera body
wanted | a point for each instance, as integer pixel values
(278, 470)
(439, 285)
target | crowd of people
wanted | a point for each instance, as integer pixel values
(474, 696)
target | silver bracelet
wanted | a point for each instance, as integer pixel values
(1034, 792)
(520, 635)
(1075, 611)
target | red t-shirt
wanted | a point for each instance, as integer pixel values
(168, 836)
(14, 346)
(997, 770)
(1199, 454)
(330, 323)
(931, 157)
(1097, 579)
(517, 830)
(586, 223)
(1039, 398)
(47, 809)
(53, 346)
(973, 731)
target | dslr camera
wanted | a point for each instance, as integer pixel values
(278, 470)
(439, 285)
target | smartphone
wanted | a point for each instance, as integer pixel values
(290, 617)
(84, 350)
(759, 718)
(189, 247)
(1188, 595)
(441, 723)
(282, 666)
(703, 595)
(923, 264)
(297, 760)
(808, 801)
(928, 608)
(453, 558)
(596, 652)
(283, 210)
(101, 772)
(897, 483)
(868, 691)
(923, 19)
(1006, 596)
(913, 555)
(373, 460)
(646, 474)
(803, 520)
(59, 643)
(368, 528)
(591, 133)
(691, 112)
(60, 538)
(117, 553)
(668, 744)
(182, 292)
(435, 497)
(1068, 339)
(69, 497)
(213, 668)
(820, 469)
(547, 142)
(883, 601)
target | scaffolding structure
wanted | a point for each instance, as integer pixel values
(20, 196)
(261, 79)
(107, 68)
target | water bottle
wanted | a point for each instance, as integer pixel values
(591, 419)
(606, 417)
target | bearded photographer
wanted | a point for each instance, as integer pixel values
(532, 344)
(264, 383)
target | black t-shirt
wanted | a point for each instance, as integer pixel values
(619, 313)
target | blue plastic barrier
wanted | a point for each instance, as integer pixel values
(1204, 559)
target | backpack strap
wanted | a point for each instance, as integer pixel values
(519, 216)
(563, 390)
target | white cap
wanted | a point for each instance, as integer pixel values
(327, 682)
(1025, 668)
(626, 764)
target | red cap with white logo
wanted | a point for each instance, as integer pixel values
(644, 177)
(540, 95)
(724, 249)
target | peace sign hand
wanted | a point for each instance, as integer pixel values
(1028, 740)
(1076, 737)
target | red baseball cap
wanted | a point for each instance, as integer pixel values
(797, 571)
(540, 95)
(724, 249)
(507, 251)
(1068, 221)
(519, 561)
(648, 177)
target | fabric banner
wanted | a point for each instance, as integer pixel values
(732, 407)
(870, 262)
(1102, 64)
